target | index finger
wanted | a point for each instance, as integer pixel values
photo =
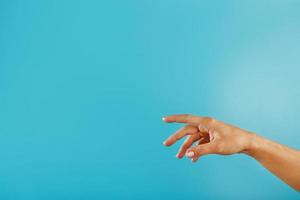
(184, 118)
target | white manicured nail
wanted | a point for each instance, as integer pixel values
(164, 119)
(190, 154)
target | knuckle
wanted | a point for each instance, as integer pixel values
(202, 128)
(210, 120)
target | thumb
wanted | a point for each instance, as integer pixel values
(200, 150)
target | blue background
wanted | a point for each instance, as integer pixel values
(84, 84)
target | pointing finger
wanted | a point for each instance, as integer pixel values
(189, 119)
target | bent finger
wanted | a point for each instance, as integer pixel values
(187, 144)
(200, 150)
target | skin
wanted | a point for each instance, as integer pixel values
(215, 137)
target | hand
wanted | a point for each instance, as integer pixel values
(211, 136)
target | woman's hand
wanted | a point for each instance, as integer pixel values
(211, 136)
(215, 137)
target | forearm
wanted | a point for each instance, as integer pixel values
(282, 161)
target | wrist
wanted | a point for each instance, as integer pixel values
(253, 144)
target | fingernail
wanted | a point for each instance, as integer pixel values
(190, 154)
(164, 143)
(164, 119)
(177, 155)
